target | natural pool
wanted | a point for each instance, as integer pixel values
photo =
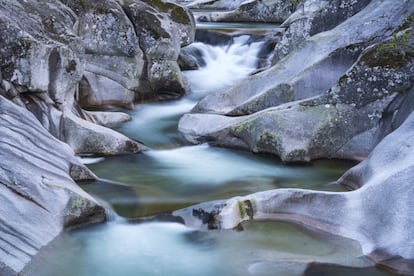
(176, 175)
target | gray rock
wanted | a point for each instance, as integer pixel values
(379, 214)
(312, 17)
(381, 70)
(297, 132)
(39, 52)
(163, 28)
(87, 138)
(114, 61)
(42, 61)
(328, 108)
(395, 114)
(38, 196)
(107, 119)
(304, 69)
(273, 11)
(211, 4)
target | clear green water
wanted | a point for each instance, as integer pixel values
(176, 175)
(165, 180)
(263, 248)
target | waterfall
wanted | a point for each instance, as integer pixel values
(223, 65)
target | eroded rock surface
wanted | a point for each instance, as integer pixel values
(56, 58)
(39, 197)
(338, 89)
(379, 213)
(42, 63)
(273, 11)
(163, 28)
(324, 100)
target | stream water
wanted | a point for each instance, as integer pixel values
(176, 175)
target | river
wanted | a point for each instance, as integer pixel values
(174, 175)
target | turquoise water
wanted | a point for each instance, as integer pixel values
(161, 248)
(175, 175)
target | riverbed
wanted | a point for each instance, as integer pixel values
(175, 174)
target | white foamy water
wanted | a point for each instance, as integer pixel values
(202, 164)
(91, 160)
(225, 64)
(155, 124)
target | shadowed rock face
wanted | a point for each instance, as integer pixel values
(379, 213)
(324, 100)
(37, 194)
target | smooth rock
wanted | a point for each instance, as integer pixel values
(38, 196)
(379, 213)
(330, 107)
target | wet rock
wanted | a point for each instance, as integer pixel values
(190, 58)
(38, 197)
(324, 269)
(378, 213)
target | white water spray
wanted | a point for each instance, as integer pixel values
(224, 64)
(155, 123)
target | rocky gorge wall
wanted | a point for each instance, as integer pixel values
(58, 61)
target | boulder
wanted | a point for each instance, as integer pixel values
(378, 212)
(39, 52)
(87, 138)
(312, 68)
(162, 28)
(211, 4)
(107, 119)
(113, 59)
(321, 101)
(42, 62)
(312, 17)
(39, 197)
(273, 11)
